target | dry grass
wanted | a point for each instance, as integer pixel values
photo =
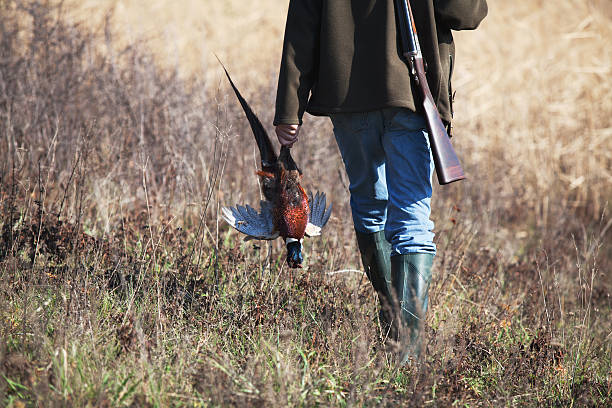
(534, 108)
(186, 34)
(119, 286)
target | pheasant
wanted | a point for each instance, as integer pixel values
(286, 211)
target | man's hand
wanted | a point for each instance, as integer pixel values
(287, 134)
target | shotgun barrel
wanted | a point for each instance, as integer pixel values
(448, 167)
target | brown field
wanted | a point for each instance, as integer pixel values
(120, 285)
(185, 35)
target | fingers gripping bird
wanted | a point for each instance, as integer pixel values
(286, 211)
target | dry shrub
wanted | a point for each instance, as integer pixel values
(105, 126)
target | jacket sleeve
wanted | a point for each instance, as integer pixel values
(299, 61)
(460, 14)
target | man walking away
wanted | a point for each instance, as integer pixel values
(342, 59)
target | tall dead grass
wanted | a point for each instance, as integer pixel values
(185, 34)
(533, 113)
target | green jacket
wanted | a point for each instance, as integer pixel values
(344, 55)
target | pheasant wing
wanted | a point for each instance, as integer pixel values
(256, 225)
(319, 214)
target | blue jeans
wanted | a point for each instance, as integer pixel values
(389, 165)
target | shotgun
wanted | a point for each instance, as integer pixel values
(445, 159)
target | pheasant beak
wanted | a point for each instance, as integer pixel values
(294, 253)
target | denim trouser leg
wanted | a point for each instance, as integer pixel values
(409, 168)
(389, 165)
(359, 137)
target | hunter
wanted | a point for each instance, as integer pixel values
(342, 59)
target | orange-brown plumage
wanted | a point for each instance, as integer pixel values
(292, 209)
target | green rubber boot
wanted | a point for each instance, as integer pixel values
(376, 257)
(411, 275)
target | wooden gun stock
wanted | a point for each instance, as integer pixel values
(448, 167)
(445, 159)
